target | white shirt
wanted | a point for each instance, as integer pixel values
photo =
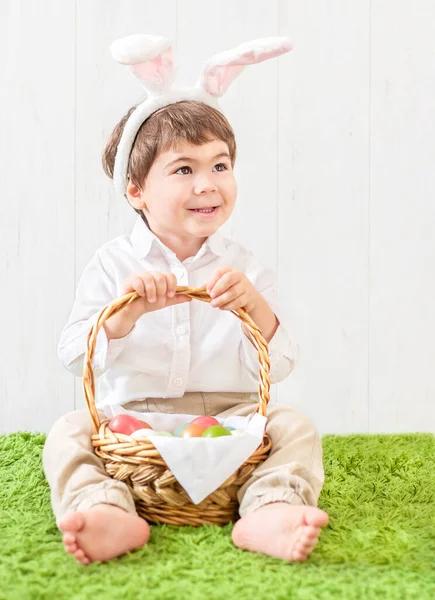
(190, 347)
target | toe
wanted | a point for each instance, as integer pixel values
(303, 545)
(79, 554)
(71, 548)
(309, 546)
(299, 555)
(72, 522)
(316, 518)
(69, 537)
(312, 532)
(81, 557)
(309, 536)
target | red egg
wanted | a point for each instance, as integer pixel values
(127, 424)
(193, 430)
(205, 421)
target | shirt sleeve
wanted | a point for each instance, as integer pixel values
(96, 289)
(284, 352)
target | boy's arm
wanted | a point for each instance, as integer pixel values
(264, 317)
(96, 289)
(268, 315)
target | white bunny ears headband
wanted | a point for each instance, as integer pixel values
(150, 60)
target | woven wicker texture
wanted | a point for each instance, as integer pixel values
(158, 495)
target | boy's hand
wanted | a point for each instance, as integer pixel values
(157, 291)
(231, 289)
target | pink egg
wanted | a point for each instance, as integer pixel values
(205, 421)
(127, 424)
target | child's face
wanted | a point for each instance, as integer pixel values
(183, 181)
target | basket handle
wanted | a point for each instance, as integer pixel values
(254, 335)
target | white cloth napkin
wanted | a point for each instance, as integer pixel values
(200, 465)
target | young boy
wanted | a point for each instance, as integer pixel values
(163, 353)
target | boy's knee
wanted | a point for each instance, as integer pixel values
(291, 417)
(68, 425)
(75, 418)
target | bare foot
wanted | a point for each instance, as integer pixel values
(102, 532)
(282, 530)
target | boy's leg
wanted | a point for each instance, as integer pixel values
(277, 503)
(293, 471)
(76, 475)
(95, 512)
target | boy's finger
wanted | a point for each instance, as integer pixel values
(215, 278)
(223, 284)
(138, 285)
(172, 284)
(234, 304)
(150, 287)
(229, 296)
(161, 284)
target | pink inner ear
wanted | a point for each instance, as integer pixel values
(157, 70)
(250, 57)
(218, 78)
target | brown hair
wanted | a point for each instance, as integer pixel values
(190, 120)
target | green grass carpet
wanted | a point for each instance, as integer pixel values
(380, 542)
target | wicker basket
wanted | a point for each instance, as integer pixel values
(158, 495)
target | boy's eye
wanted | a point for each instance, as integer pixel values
(181, 168)
(224, 168)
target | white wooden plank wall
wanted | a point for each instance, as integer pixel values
(336, 145)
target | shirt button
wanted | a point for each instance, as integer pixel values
(177, 382)
(181, 329)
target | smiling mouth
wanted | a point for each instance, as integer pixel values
(204, 211)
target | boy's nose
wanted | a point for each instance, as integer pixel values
(204, 184)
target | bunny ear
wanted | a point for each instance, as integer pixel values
(149, 58)
(220, 70)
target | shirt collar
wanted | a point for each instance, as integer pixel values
(143, 239)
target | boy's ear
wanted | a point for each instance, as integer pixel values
(134, 196)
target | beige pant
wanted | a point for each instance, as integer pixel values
(292, 473)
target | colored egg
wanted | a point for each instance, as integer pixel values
(127, 424)
(193, 431)
(180, 429)
(230, 428)
(215, 431)
(143, 434)
(205, 421)
(237, 432)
